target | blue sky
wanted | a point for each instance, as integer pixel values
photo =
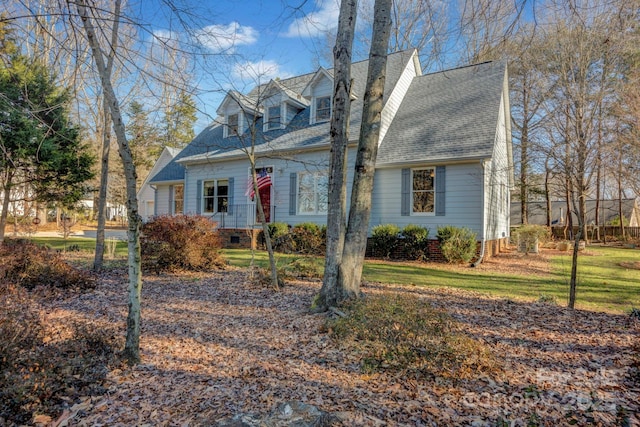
(260, 40)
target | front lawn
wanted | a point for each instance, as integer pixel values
(84, 244)
(603, 284)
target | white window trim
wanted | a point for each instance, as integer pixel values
(267, 119)
(411, 212)
(215, 196)
(314, 108)
(174, 199)
(226, 133)
(315, 192)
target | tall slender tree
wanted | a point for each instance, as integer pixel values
(331, 293)
(350, 258)
(87, 15)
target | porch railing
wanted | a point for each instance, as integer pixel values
(241, 216)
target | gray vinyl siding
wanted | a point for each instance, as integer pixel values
(323, 87)
(146, 194)
(462, 199)
(162, 200)
(239, 170)
(497, 184)
(290, 112)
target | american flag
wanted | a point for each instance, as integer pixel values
(263, 179)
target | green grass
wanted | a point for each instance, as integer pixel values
(85, 244)
(603, 285)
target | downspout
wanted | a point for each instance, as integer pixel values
(484, 226)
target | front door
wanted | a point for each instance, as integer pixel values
(265, 199)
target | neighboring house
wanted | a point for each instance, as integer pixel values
(147, 194)
(608, 212)
(444, 151)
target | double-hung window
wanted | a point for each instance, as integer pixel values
(323, 108)
(215, 196)
(274, 117)
(232, 124)
(178, 199)
(423, 191)
(313, 193)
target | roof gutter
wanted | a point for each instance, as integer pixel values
(484, 219)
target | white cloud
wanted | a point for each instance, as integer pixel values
(258, 72)
(219, 38)
(324, 19)
(166, 35)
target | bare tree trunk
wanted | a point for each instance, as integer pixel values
(102, 196)
(574, 268)
(336, 214)
(5, 204)
(547, 193)
(355, 242)
(132, 346)
(106, 149)
(524, 165)
(265, 227)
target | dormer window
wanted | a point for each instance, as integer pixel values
(323, 108)
(274, 118)
(232, 124)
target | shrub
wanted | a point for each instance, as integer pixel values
(398, 332)
(416, 241)
(384, 239)
(280, 238)
(457, 244)
(183, 242)
(303, 268)
(530, 235)
(278, 229)
(26, 264)
(309, 238)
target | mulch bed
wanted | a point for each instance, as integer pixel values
(214, 345)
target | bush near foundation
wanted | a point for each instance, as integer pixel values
(384, 239)
(416, 242)
(182, 242)
(29, 265)
(458, 245)
(309, 238)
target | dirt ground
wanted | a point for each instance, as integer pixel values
(214, 345)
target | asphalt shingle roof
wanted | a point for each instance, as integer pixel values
(447, 115)
(451, 114)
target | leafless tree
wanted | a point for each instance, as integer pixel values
(351, 260)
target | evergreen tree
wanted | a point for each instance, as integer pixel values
(41, 153)
(179, 120)
(144, 140)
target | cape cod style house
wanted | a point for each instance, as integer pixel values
(444, 152)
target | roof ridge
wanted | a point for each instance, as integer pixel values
(461, 67)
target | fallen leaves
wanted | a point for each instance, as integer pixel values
(214, 346)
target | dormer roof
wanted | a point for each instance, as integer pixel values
(244, 102)
(275, 86)
(322, 73)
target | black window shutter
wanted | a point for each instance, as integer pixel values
(405, 204)
(199, 197)
(293, 183)
(440, 190)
